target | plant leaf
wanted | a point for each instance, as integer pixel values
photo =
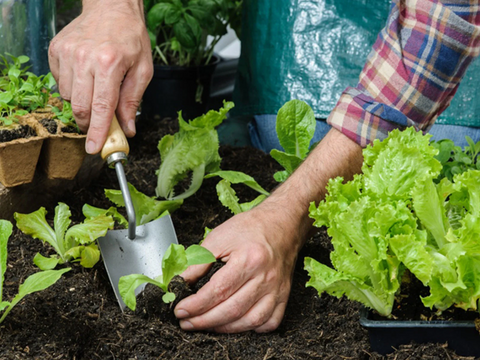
(146, 208)
(5, 232)
(128, 284)
(90, 230)
(45, 263)
(238, 177)
(295, 127)
(35, 225)
(197, 255)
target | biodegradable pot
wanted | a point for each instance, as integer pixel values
(18, 158)
(174, 88)
(62, 154)
(385, 335)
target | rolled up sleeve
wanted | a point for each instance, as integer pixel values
(413, 70)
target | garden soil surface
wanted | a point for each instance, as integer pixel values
(79, 318)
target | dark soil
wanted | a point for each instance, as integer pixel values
(50, 124)
(20, 132)
(69, 129)
(78, 318)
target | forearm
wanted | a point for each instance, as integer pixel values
(336, 155)
(413, 71)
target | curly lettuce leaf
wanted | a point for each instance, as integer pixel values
(192, 150)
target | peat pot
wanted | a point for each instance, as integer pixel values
(63, 151)
(175, 88)
(19, 158)
(385, 335)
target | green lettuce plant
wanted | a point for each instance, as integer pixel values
(227, 195)
(146, 208)
(76, 243)
(295, 128)
(34, 283)
(175, 261)
(192, 150)
(395, 216)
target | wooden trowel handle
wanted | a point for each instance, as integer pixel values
(116, 140)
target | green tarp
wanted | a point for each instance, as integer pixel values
(313, 49)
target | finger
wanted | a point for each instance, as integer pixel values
(254, 318)
(131, 93)
(195, 272)
(229, 311)
(65, 80)
(104, 102)
(53, 60)
(82, 94)
(221, 286)
(275, 320)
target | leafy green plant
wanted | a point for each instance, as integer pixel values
(178, 29)
(394, 217)
(295, 128)
(455, 160)
(76, 243)
(66, 115)
(192, 150)
(20, 90)
(175, 261)
(34, 283)
(227, 195)
(146, 208)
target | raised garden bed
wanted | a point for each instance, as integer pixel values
(79, 318)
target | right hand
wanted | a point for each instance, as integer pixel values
(102, 62)
(251, 291)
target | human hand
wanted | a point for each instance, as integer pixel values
(102, 62)
(251, 291)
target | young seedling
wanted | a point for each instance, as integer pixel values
(66, 115)
(192, 150)
(226, 194)
(175, 261)
(76, 243)
(146, 208)
(36, 282)
(295, 129)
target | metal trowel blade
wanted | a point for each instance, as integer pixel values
(143, 255)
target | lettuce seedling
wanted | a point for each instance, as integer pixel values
(175, 261)
(227, 195)
(295, 128)
(192, 150)
(146, 208)
(36, 282)
(76, 243)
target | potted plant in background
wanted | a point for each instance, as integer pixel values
(183, 35)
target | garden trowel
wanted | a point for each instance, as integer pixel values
(138, 249)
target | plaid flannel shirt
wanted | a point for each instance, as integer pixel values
(413, 71)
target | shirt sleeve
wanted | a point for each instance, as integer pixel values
(413, 70)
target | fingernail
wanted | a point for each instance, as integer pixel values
(91, 147)
(131, 127)
(186, 325)
(181, 314)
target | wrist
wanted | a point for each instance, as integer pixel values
(109, 6)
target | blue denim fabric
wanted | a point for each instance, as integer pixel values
(264, 136)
